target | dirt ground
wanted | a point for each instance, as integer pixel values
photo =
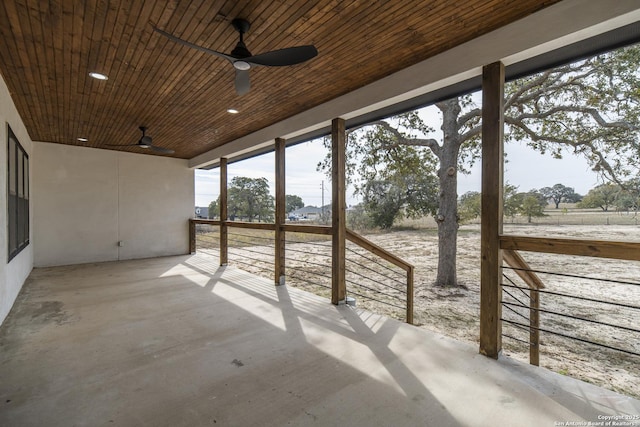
(455, 311)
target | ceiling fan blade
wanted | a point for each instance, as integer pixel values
(161, 149)
(193, 46)
(120, 145)
(282, 57)
(242, 82)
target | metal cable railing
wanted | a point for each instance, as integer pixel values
(308, 265)
(381, 279)
(375, 282)
(254, 252)
(207, 236)
(603, 323)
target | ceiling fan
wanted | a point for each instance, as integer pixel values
(145, 142)
(242, 60)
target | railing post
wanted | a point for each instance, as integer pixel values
(491, 222)
(280, 212)
(192, 237)
(224, 236)
(338, 211)
(410, 295)
(534, 330)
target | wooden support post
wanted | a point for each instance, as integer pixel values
(224, 236)
(338, 211)
(410, 295)
(192, 237)
(280, 212)
(491, 222)
(534, 330)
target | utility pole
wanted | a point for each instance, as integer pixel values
(322, 205)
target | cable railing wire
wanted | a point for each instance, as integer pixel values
(575, 276)
(619, 304)
(572, 337)
(570, 316)
(369, 288)
(513, 283)
(372, 260)
(378, 273)
(516, 339)
(512, 296)
(374, 299)
(506, 305)
(323, 244)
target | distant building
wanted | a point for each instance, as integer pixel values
(311, 213)
(202, 212)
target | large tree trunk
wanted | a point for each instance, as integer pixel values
(447, 216)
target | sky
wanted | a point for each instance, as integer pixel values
(525, 168)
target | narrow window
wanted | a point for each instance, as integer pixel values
(17, 195)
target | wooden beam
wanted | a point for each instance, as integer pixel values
(338, 211)
(251, 225)
(192, 237)
(224, 235)
(377, 250)
(410, 296)
(491, 222)
(280, 212)
(582, 247)
(309, 229)
(515, 260)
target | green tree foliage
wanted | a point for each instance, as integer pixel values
(214, 208)
(293, 202)
(358, 218)
(469, 206)
(532, 204)
(589, 108)
(628, 197)
(249, 199)
(603, 196)
(511, 200)
(560, 193)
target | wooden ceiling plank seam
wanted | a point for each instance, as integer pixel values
(37, 89)
(120, 88)
(134, 52)
(49, 21)
(63, 84)
(263, 41)
(192, 60)
(20, 90)
(157, 80)
(201, 21)
(123, 12)
(86, 83)
(98, 90)
(34, 61)
(149, 91)
(76, 77)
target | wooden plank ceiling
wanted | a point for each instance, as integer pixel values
(47, 49)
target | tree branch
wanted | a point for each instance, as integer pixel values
(430, 143)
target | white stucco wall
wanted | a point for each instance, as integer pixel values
(87, 200)
(14, 273)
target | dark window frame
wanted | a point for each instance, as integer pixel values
(17, 196)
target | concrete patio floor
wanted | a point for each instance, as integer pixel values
(178, 341)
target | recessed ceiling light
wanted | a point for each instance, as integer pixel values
(232, 111)
(83, 139)
(98, 76)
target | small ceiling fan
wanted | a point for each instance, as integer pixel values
(242, 60)
(145, 142)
